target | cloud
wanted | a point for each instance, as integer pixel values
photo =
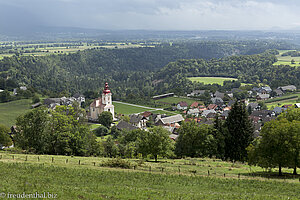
(160, 14)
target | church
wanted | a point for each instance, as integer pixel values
(101, 104)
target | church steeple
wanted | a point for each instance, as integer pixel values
(106, 89)
(106, 95)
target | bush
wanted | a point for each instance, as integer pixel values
(101, 131)
(117, 163)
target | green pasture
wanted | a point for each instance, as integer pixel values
(11, 110)
(127, 109)
(286, 60)
(211, 80)
(84, 178)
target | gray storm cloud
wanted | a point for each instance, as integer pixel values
(152, 14)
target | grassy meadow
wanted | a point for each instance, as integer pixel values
(127, 109)
(11, 110)
(168, 179)
(286, 60)
(211, 80)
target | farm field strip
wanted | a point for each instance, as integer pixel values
(211, 80)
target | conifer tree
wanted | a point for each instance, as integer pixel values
(238, 133)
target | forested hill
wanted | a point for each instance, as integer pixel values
(130, 70)
(247, 68)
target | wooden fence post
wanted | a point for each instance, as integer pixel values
(13, 157)
(38, 159)
(67, 160)
(207, 172)
(79, 162)
(52, 159)
(26, 158)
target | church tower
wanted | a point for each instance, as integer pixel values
(107, 100)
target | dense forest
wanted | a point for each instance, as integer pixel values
(149, 70)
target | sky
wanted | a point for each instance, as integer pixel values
(152, 14)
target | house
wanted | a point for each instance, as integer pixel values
(122, 125)
(195, 104)
(182, 105)
(225, 113)
(260, 97)
(197, 93)
(167, 121)
(202, 108)
(288, 88)
(287, 106)
(206, 112)
(253, 106)
(206, 121)
(297, 105)
(52, 102)
(219, 94)
(1, 90)
(211, 115)
(212, 107)
(147, 114)
(278, 110)
(79, 98)
(102, 104)
(138, 121)
(217, 100)
(194, 112)
(265, 89)
(278, 92)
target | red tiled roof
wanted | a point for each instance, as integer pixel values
(195, 104)
(212, 106)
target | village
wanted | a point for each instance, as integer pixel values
(219, 105)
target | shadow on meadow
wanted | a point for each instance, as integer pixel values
(272, 175)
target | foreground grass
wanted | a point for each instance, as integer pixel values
(11, 110)
(87, 180)
(211, 80)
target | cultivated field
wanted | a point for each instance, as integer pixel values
(11, 110)
(43, 49)
(286, 60)
(211, 80)
(283, 100)
(84, 178)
